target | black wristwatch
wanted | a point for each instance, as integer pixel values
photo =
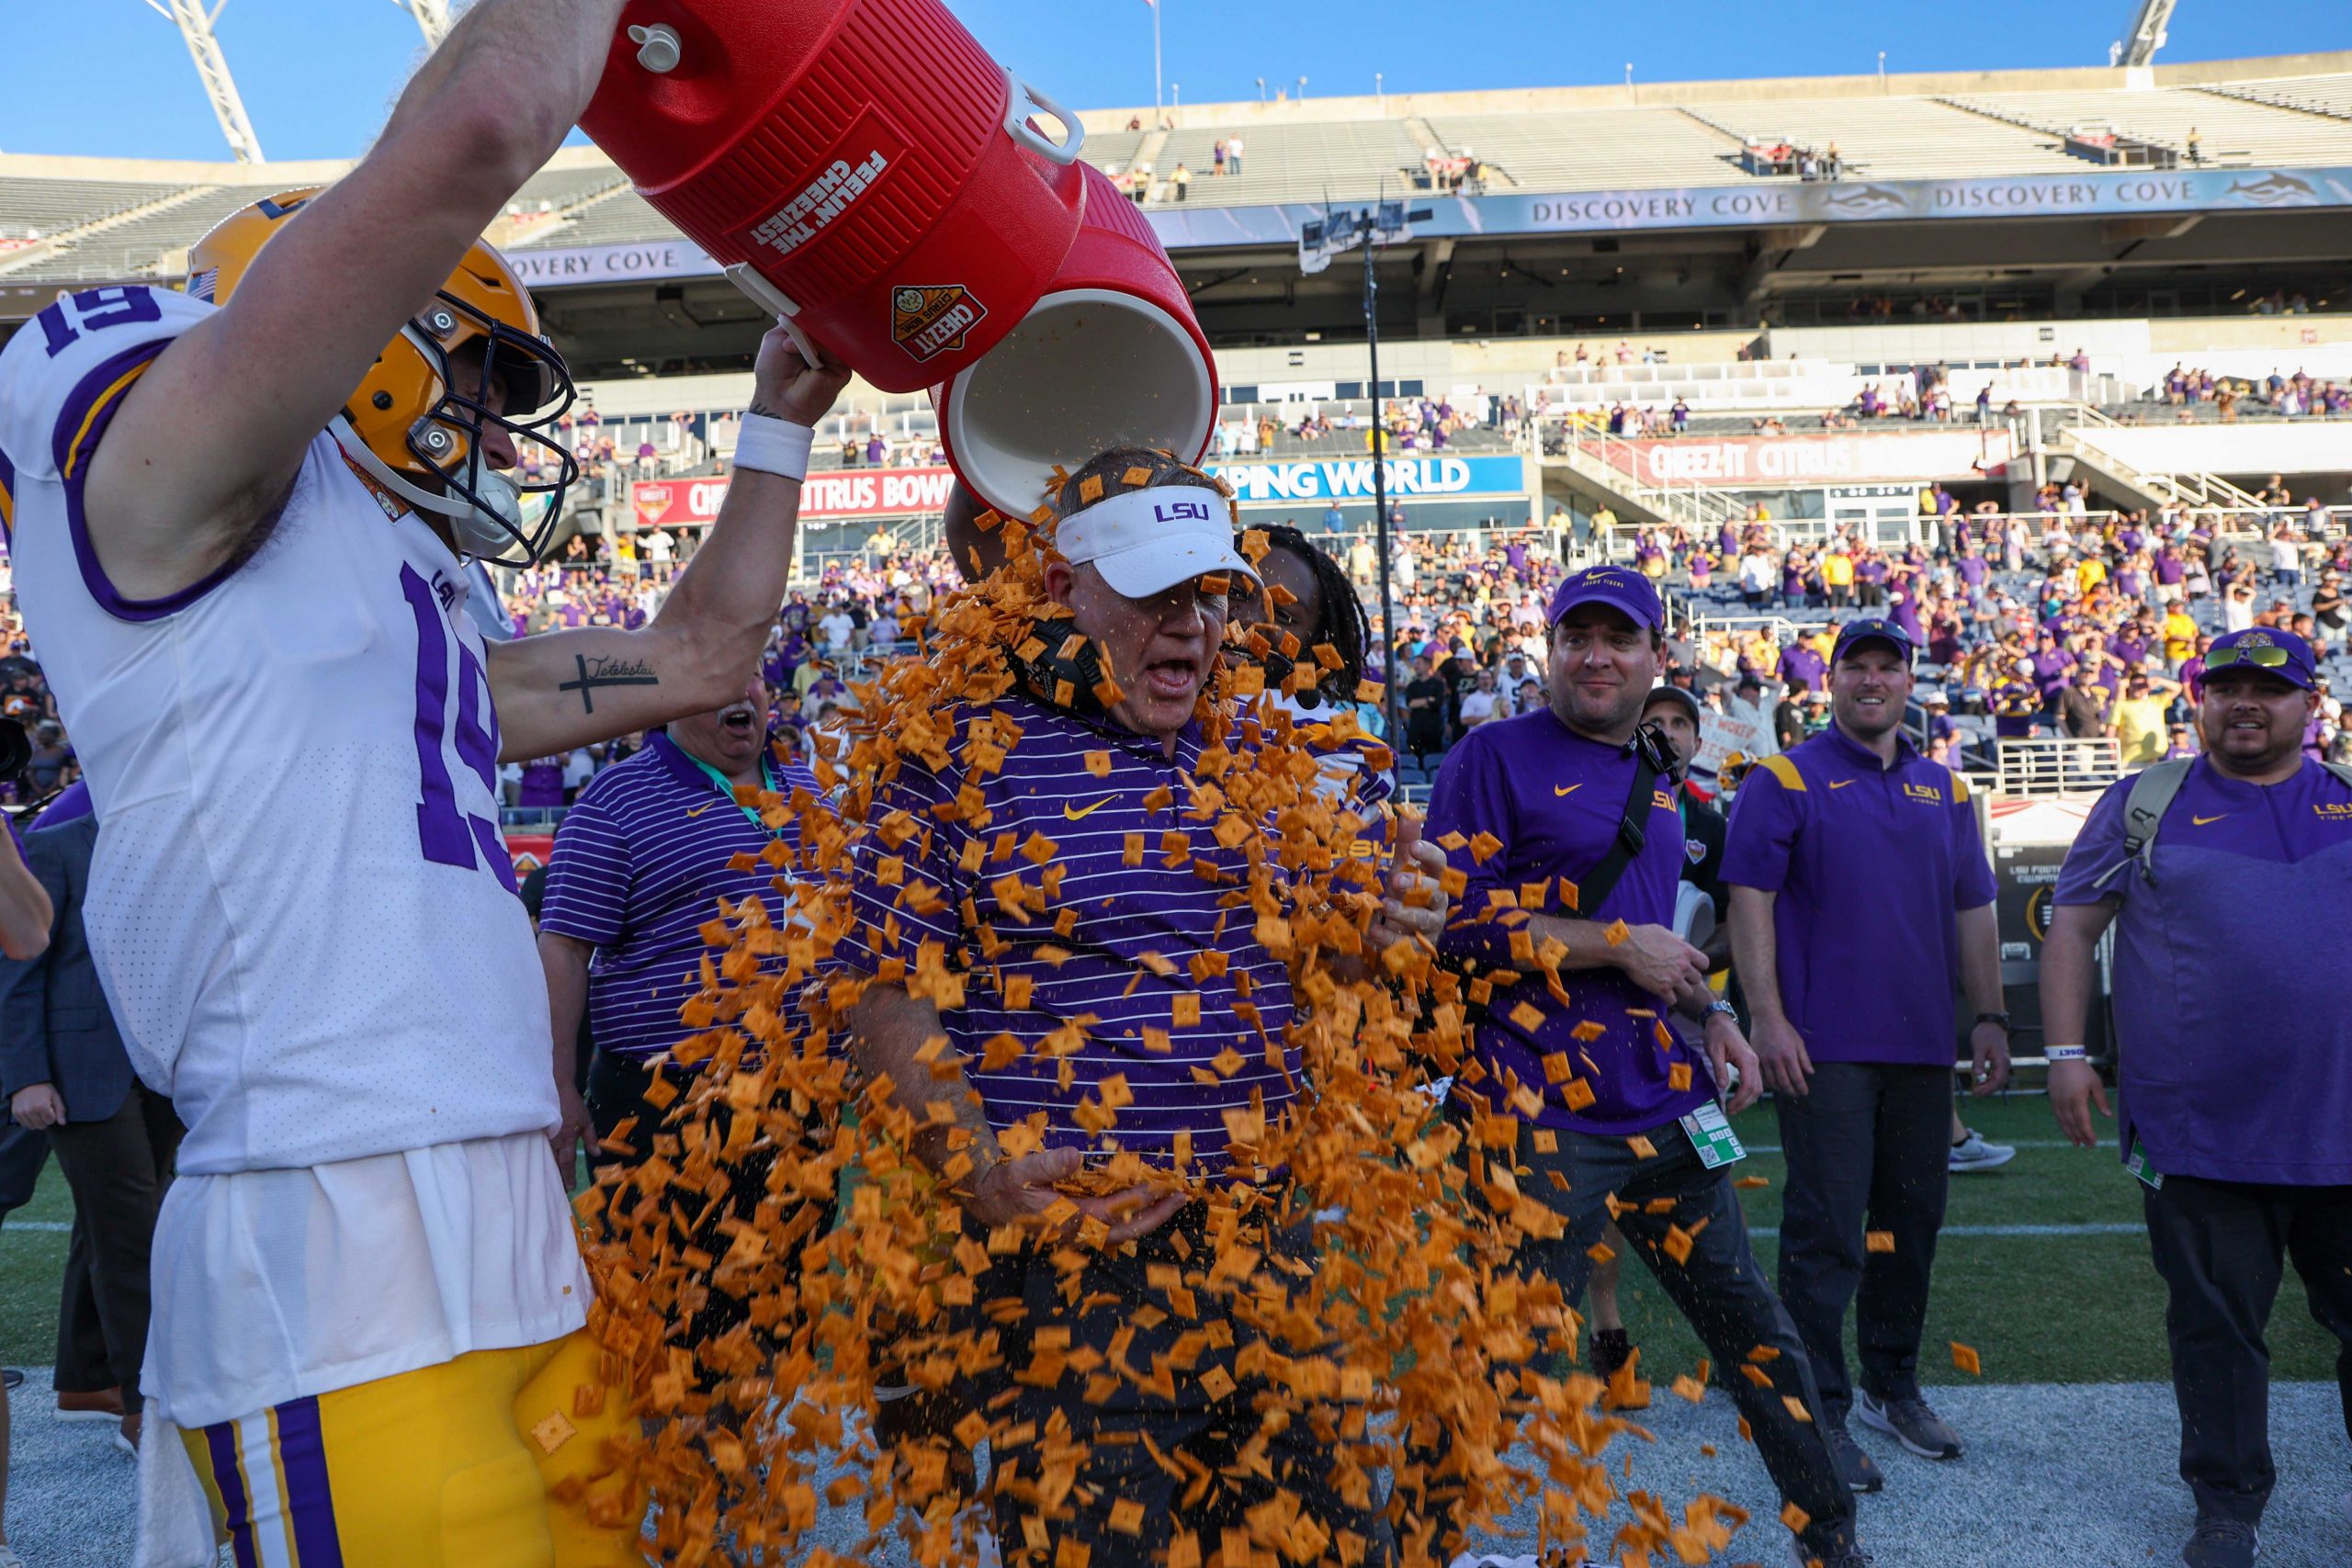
(2000, 1017)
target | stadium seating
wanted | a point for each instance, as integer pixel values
(145, 247)
(1348, 161)
(1893, 138)
(43, 208)
(1593, 149)
(2230, 131)
(2315, 95)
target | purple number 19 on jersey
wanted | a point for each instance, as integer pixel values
(449, 836)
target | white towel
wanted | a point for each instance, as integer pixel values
(174, 1520)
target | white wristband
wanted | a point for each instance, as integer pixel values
(2064, 1054)
(769, 445)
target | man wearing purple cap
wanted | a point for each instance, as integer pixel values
(2235, 1096)
(1584, 852)
(1860, 898)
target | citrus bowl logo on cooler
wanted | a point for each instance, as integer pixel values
(930, 320)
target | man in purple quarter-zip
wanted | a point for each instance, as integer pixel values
(2234, 1068)
(1860, 899)
(1563, 823)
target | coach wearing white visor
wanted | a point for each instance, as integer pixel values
(1144, 552)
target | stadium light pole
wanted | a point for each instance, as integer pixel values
(212, 68)
(1318, 244)
(432, 19)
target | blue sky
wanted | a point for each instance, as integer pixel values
(319, 76)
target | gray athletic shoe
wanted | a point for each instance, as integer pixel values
(2222, 1543)
(1910, 1423)
(1855, 1467)
(1973, 1152)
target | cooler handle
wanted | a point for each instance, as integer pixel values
(1016, 123)
(767, 296)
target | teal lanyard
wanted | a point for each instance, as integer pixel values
(727, 788)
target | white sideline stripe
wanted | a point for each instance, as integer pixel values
(2006, 1230)
(14, 1225)
(2012, 1144)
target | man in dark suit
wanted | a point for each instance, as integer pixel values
(64, 1070)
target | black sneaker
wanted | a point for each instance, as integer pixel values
(1836, 1557)
(1855, 1467)
(1911, 1423)
(11, 1380)
(1611, 1348)
(2222, 1543)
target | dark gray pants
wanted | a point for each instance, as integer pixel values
(118, 1168)
(1719, 1288)
(81, 1347)
(1869, 1149)
(2219, 1246)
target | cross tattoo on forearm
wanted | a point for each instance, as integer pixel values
(604, 671)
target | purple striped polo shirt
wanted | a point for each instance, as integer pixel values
(1112, 995)
(639, 866)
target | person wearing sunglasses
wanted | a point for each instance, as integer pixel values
(2235, 1076)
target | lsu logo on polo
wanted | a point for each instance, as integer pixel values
(1928, 792)
(2332, 811)
(928, 320)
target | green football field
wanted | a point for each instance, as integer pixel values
(2057, 1307)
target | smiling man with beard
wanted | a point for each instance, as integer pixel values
(1862, 898)
(2221, 874)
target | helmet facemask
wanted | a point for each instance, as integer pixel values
(484, 506)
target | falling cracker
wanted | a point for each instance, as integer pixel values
(1691, 1388)
(1090, 489)
(1964, 1358)
(1451, 840)
(1576, 1095)
(1527, 1016)
(1601, 1252)
(1615, 934)
(990, 521)
(1796, 1518)
(1752, 1183)
(1136, 477)
(1757, 1375)
(553, 1432)
(1764, 1355)
(1098, 764)
(1678, 1077)
(1483, 847)
(1126, 1514)
(1796, 1408)
(1217, 582)
(1546, 1141)
(1643, 1148)
(1878, 1241)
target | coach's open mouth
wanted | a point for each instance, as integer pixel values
(736, 719)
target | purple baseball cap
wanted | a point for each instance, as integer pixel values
(2274, 651)
(1615, 586)
(1853, 634)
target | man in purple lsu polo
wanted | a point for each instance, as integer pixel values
(1609, 1100)
(1143, 966)
(2234, 1059)
(1860, 898)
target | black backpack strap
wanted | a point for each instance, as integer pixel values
(1633, 827)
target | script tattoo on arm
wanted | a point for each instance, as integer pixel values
(598, 671)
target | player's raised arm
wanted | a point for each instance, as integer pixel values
(564, 689)
(206, 443)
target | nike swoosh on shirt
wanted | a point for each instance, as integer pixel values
(1074, 813)
(1558, 791)
(1840, 784)
(2200, 821)
(700, 809)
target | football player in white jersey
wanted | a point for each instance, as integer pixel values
(241, 517)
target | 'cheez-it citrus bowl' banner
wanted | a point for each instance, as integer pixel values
(835, 493)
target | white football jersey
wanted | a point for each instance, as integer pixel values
(301, 905)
